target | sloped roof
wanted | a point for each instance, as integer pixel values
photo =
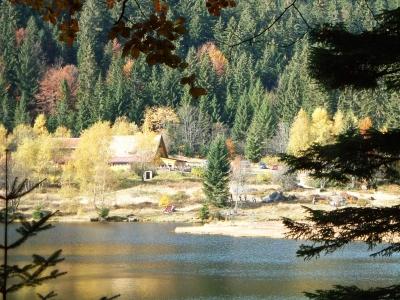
(125, 146)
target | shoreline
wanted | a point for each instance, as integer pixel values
(268, 229)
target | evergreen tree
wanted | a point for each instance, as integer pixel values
(30, 63)
(88, 73)
(21, 112)
(7, 112)
(216, 177)
(259, 131)
(242, 119)
(64, 116)
(116, 93)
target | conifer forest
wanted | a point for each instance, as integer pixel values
(256, 90)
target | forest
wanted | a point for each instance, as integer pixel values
(255, 89)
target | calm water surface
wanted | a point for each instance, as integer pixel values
(150, 261)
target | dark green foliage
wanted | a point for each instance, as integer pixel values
(330, 230)
(21, 114)
(354, 293)
(341, 58)
(216, 177)
(103, 212)
(243, 118)
(204, 212)
(38, 213)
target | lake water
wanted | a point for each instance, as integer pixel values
(150, 261)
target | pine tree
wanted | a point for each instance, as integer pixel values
(242, 119)
(30, 63)
(259, 132)
(21, 112)
(216, 177)
(88, 72)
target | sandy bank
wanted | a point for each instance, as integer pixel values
(271, 229)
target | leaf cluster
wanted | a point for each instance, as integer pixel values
(352, 292)
(330, 230)
(340, 58)
(214, 6)
(31, 274)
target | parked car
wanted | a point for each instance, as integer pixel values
(273, 167)
(262, 165)
(246, 164)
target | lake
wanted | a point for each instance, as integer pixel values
(150, 261)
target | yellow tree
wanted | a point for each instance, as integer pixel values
(147, 142)
(35, 156)
(321, 127)
(159, 117)
(122, 126)
(62, 132)
(39, 126)
(299, 133)
(4, 141)
(91, 163)
(19, 134)
(338, 123)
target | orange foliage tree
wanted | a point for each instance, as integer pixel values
(365, 124)
(217, 57)
(49, 87)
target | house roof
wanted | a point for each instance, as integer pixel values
(126, 145)
(123, 148)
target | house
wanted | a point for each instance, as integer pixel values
(127, 151)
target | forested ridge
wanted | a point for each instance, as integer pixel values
(253, 89)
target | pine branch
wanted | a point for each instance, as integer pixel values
(352, 292)
(331, 230)
(31, 275)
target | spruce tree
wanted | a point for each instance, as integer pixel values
(21, 115)
(216, 177)
(259, 131)
(242, 118)
(64, 116)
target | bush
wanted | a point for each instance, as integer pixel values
(164, 201)
(180, 196)
(38, 213)
(217, 215)
(204, 212)
(103, 212)
(197, 172)
(264, 177)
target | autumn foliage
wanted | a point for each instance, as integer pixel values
(217, 57)
(49, 87)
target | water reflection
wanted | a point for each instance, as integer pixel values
(150, 261)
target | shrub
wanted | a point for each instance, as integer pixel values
(204, 212)
(197, 172)
(103, 212)
(38, 213)
(264, 177)
(217, 215)
(164, 200)
(180, 196)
